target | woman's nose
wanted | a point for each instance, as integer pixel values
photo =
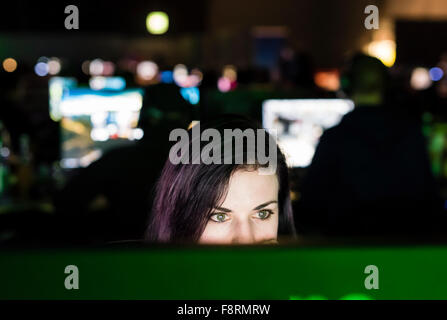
(243, 233)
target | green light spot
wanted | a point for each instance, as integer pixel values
(356, 296)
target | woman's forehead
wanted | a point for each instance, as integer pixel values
(248, 189)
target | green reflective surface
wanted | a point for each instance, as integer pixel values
(226, 273)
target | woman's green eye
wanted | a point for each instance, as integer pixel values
(219, 217)
(264, 214)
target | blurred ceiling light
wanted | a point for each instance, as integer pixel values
(436, 73)
(185, 79)
(198, 75)
(54, 66)
(228, 80)
(43, 59)
(420, 79)
(180, 74)
(157, 22)
(96, 67)
(328, 80)
(230, 72)
(41, 69)
(108, 68)
(192, 80)
(86, 67)
(10, 65)
(224, 84)
(384, 50)
(147, 70)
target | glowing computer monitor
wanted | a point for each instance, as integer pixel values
(299, 123)
(93, 122)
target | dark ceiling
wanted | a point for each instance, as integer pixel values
(110, 17)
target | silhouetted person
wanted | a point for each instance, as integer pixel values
(121, 182)
(370, 174)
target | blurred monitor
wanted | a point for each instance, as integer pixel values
(94, 121)
(299, 123)
(58, 86)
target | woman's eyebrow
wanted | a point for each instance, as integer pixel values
(265, 204)
(222, 209)
(257, 208)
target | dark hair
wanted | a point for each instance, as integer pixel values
(187, 193)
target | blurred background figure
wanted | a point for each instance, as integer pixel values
(370, 174)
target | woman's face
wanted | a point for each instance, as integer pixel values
(249, 213)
